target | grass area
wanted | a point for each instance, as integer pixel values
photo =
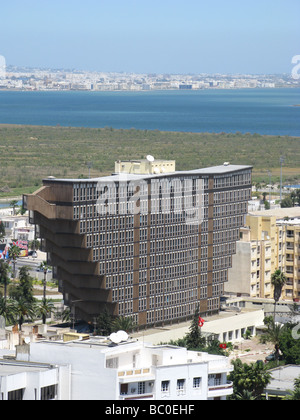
(30, 153)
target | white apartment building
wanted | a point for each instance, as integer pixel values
(18, 227)
(135, 370)
(24, 381)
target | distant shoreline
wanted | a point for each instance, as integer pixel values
(149, 90)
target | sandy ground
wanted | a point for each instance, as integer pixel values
(250, 351)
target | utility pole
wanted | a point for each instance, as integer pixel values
(270, 176)
(281, 163)
(89, 165)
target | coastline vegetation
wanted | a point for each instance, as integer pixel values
(30, 153)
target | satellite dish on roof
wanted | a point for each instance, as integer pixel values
(122, 335)
(118, 337)
(150, 158)
(114, 338)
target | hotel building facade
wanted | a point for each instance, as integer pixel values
(148, 242)
(269, 241)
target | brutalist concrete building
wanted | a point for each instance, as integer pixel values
(147, 242)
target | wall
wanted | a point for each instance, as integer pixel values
(240, 272)
(90, 381)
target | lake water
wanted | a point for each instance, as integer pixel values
(263, 111)
(5, 205)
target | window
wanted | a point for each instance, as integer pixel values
(16, 395)
(197, 383)
(165, 386)
(49, 393)
(142, 388)
(180, 384)
(124, 389)
(112, 363)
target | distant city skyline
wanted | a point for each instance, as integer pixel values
(169, 36)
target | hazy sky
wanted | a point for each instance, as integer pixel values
(155, 36)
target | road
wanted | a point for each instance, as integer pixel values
(33, 265)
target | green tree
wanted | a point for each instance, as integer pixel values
(293, 196)
(278, 280)
(252, 378)
(13, 254)
(245, 396)
(45, 308)
(66, 315)
(287, 202)
(25, 311)
(194, 339)
(104, 323)
(290, 345)
(295, 394)
(123, 324)
(45, 267)
(4, 276)
(298, 196)
(24, 290)
(34, 245)
(14, 204)
(273, 335)
(7, 310)
(2, 230)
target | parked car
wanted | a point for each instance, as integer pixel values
(272, 357)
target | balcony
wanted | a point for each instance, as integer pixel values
(135, 372)
(136, 385)
(220, 390)
(135, 397)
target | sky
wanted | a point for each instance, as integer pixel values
(157, 36)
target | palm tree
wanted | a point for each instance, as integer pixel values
(45, 267)
(24, 311)
(66, 315)
(122, 323)
(4, 276)
(245, 395)
(7, 310)
(14, 204)
(278, 280)
(13, 254)
(252, 378)
(273, 335)
(46, 308)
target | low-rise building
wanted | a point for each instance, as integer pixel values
(132, 370)
(282, 382)
(18, 227)
(20, 380)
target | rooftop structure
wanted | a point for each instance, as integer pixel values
(145, 166)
